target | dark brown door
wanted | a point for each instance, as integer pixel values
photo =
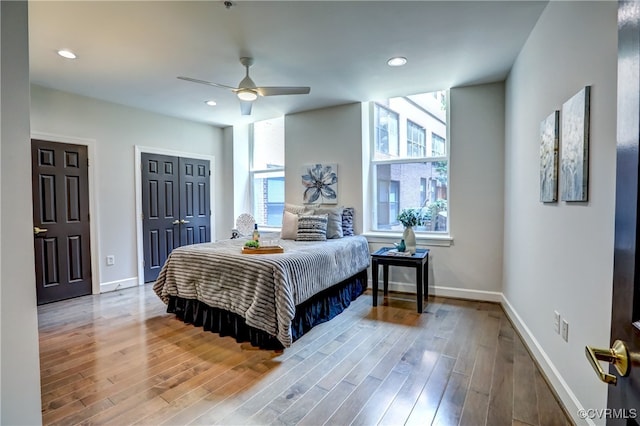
(160, 210)
(624, 397)
(176, 207)
(60, 190)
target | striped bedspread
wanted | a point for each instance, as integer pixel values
(262, 288)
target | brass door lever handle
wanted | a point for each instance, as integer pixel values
(618, 355)
(37, 230)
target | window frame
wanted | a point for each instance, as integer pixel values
(376, 120)
(445, 236)
(421, 145)
(278, 170)
(435, 136)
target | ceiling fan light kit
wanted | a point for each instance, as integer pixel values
(247, 91)
(247, 95)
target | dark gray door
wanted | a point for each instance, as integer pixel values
(625, 316)
(160, 211)
(60, 191)
(194, 201)
(175, 207)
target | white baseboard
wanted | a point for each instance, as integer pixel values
(563, 390)
(118, 285)
(457, 293)
(464, 293)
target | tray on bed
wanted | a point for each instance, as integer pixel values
(263, 250)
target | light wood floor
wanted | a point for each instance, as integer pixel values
(118, 358)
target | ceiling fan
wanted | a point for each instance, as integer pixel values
(247, 91)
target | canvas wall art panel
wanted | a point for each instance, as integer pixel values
(574, 153)
(320, 182)
(549, 139)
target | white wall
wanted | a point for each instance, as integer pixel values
(240, 136)
(225, 220)
(474, 261)
(560, 256)
(19, 363)
(329, 135)
(116, 130)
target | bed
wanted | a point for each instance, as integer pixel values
(269, 300)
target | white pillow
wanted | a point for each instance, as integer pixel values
(334, 222)
(289, 230)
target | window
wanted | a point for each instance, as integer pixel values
(267, 171)
(386, 131)
(437, 145)
(388, 199)
(423, 191)
(418, 177)
(415, 140)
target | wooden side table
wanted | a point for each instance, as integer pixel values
(419, 260)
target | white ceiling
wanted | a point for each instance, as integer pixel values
(131, 52)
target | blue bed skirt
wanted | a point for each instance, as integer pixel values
(320, 308)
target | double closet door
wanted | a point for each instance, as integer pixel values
(175, 207)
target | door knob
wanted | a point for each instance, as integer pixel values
(184, 221)
(618, 355)
(37, 230)
(175, 222)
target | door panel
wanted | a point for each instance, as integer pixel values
(175, 199)
(626, 276)
(60, 189)
(160, 191)
(194, 201)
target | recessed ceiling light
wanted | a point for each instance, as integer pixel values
(211, 103)
(397, 61)
(67, 54)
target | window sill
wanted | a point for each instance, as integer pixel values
(422, 240)
(269, 229)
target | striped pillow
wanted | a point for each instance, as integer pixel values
(312, 228)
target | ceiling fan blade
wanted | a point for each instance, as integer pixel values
(245, 107)
(275, 91)
(208, 83)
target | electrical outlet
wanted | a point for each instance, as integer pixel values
(111, 260)
(565, 330)
(556, 321)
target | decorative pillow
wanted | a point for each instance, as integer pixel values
(289, 229)
(334, 221)
(312, 228)
(294, 208)
(347, 222)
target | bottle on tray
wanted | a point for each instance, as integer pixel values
(256, 233)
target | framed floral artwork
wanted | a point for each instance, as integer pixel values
(549, 137)
(320, 182)
(574, 155)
